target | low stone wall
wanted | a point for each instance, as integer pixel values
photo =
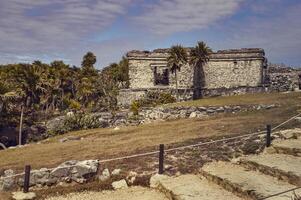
(233, 91)
(76, 171)
(160, 113)
(127, 96)
(148, 115)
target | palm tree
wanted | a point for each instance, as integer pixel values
(177, 58)
(32, 79)
(199, 56)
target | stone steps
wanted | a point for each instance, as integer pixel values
(192, 187)
(291, 147)
(246, 183)
(284, 167)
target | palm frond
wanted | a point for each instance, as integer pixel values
(200, 53)
(177, 57)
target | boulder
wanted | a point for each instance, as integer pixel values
(210, 111)
(116, 172)
(119, 184)
(193, 115)
(6, 181)
(131, 177)
(155, 180)
(105, 175)
(39, 177)
(78, 171)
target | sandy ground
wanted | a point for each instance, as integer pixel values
(133, 193)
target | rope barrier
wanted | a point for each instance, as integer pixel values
(169, 150)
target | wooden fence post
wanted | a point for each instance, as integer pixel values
(161, 159)
(268, 137)
(26, 179)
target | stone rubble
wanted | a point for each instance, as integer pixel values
(77, 171)
(148, 115)
(105, 175)
(119, 184)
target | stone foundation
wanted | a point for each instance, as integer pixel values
(233, 91)
(127, 96)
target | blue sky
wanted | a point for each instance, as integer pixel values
(50, 30)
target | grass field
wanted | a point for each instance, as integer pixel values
(107, 143)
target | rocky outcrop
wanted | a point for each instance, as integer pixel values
(7, 180)
(76, 171)
(119, 184)
(147, 115)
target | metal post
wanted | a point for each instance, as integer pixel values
(268, 139)
(161, 159)
(26, 179)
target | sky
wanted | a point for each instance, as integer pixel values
(65, 30)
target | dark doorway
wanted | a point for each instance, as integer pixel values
(161, 76)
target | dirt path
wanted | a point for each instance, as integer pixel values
(134, 193)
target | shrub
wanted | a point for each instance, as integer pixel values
(135, 107)
(74, 105)
(156, 98)
(165, 98)
(78, 122)
(151, 99)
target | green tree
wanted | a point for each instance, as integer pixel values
(177, 58)
(199, 56)
(32, 80)
(88, 62)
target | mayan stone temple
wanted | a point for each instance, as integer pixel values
(226, 72)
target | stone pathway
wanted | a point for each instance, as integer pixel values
(193, 187)
(272, 175)
(292, 147)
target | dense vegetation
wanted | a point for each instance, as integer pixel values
(43, 90)
(40, 91)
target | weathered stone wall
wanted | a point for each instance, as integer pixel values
(233, 91)
(227, 68)
(284, 81)
(232, 73)
(141, 74)
(284, 78)
(127, 96)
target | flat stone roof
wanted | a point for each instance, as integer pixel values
(220, 54)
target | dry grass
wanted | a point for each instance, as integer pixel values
(107, 143)
(247, 99)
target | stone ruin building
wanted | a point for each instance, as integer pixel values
(283, 78)
(227, 72)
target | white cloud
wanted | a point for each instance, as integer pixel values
(279, 33)
(48, 26)
(170, 16)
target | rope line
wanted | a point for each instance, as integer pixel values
(284, 192)
(167, 150)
